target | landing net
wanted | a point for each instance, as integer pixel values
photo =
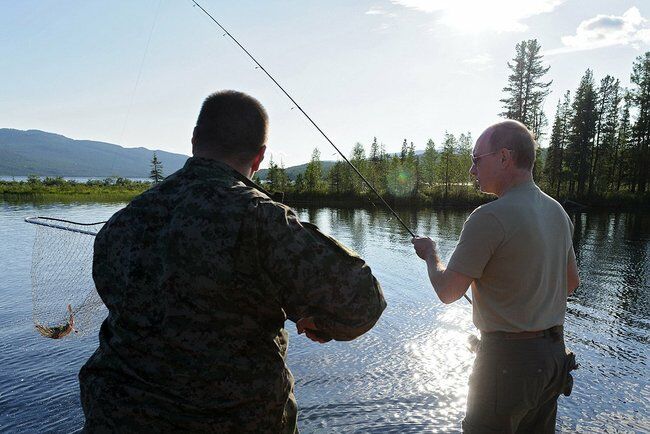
(64, 299)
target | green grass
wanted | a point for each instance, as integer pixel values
(50, 190)
(60, 190)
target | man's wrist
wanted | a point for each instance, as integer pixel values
(432, 258)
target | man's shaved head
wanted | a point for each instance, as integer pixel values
(515, 136)
(231, 124)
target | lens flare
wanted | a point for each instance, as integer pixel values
(401, 181)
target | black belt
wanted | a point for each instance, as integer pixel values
(555, 332)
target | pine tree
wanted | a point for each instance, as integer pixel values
(374, 150)
(299, 185)
(410, 165)
(640, 98)
(271, 174)
(374, 166)
(404, 151)
(156, 173)
(276, 177)
(358, 159)
(553, 168)
(463, 160)
(284, 181)
(609, 100)
(334, 178)
(447, 162)
(583, 128)
(382, 179)
(622, 156)
(428, 163)
(314, 173)
(526, 90)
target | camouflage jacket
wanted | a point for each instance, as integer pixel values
(199, 274)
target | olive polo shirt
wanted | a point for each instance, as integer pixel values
(516, 249)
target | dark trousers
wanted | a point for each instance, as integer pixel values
(515, 384)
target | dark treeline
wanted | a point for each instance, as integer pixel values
(440, 175)
(599, 140)
(597, 149)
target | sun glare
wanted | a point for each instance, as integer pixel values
(443, 361)
(471, 16)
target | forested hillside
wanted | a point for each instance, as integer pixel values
(35, 152)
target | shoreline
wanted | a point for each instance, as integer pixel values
(121, 190)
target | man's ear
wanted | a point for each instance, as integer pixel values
(506, 155)
(193, 140)
(259, 157)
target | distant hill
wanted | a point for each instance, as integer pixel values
(35, 152)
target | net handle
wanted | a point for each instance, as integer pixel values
(37, 221)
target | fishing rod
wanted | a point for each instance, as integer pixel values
(259, 65)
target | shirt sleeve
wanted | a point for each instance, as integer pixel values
(571, 253)
(481, 235)
(317, 275)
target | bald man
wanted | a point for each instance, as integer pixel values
(516, 253)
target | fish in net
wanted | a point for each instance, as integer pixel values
(64, 299)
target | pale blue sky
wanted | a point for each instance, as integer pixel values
(393, 69)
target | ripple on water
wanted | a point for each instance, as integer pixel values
(407, 375)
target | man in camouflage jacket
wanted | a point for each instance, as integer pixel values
(199, 274)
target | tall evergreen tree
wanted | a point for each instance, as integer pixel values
(375, 152)
(382, 182)
(623, 156)
(411, 166)
(271, 174)
(358, 158)
(276, 177)
(583, 128)
(447, 162)
(299, 184)
(640, 98)
(463, 160)
(404, 151)
(609, 101)
(526, 89)
(374, 166)
(334, 178)
(428, 163)
(314, 173)
(156, 173)
(553, 168)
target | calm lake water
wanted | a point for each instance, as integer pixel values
(409, 374)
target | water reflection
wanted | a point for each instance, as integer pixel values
(416, 359)
(409, 374)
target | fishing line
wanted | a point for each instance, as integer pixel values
(259, 65)
(137, 80)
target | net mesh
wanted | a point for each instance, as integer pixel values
(64, 299)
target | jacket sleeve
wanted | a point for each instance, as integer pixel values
(317, 276)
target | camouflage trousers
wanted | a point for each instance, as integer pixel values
(515, 384)
(111, 407)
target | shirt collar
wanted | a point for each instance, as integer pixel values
(524, 186)
(220, 171)
(211, 168)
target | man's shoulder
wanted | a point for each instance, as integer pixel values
(552, 202)
(487, 210)
(272, 212)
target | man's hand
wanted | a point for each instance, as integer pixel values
(308, 327)
(425, 247)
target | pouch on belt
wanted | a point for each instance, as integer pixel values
(569, 365)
